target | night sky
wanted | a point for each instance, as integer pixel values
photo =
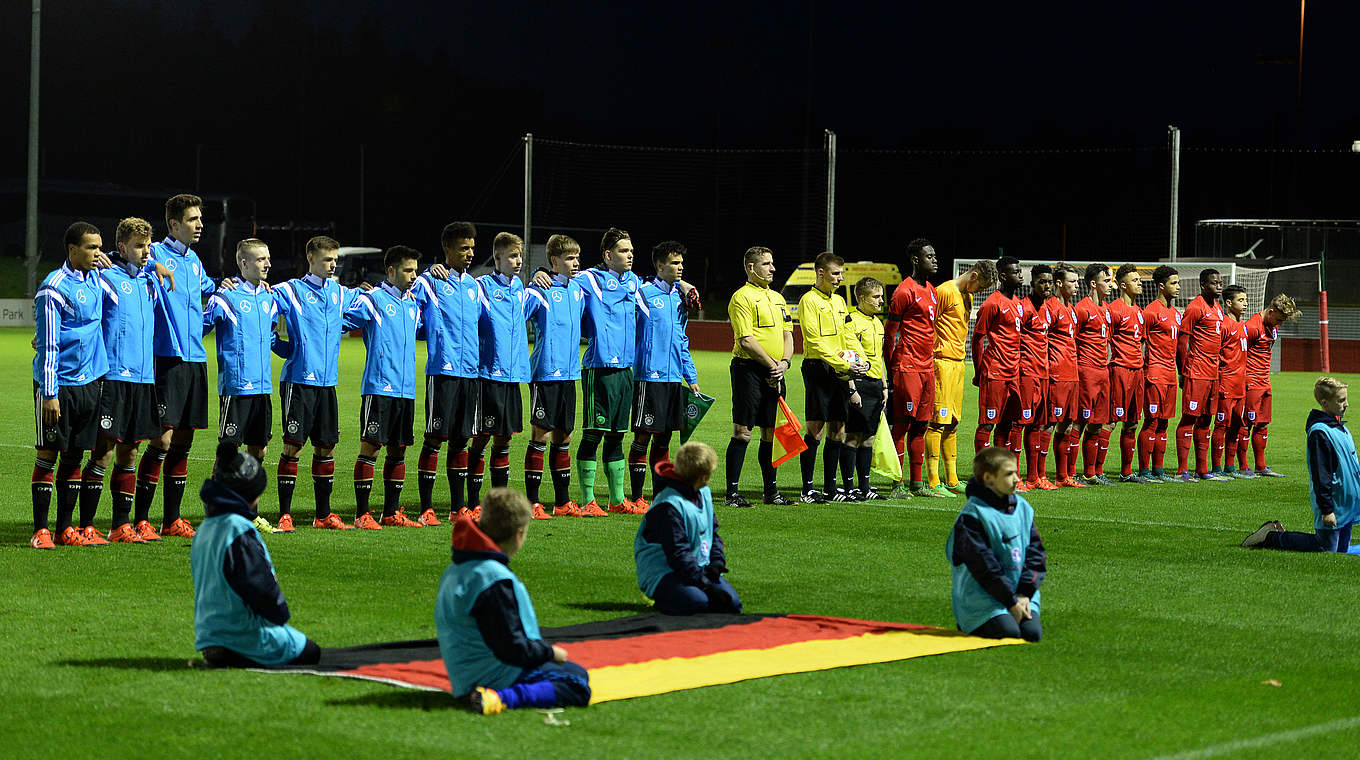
(272, 100)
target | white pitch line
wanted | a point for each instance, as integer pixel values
(1217, 750)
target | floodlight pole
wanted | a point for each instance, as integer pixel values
(31, 211)
(528, 195)
(830, 139)
(1175, 133)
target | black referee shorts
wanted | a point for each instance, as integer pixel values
(827, 397)
(755, 403)
(865, 419)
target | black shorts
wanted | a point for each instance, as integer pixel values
(78, 426)
(387, 421)
(659, 407)
(865, 419)
(827, 397)
(451, 406)
(500, 411)
(552, 405)
(182, 393)
(246, 419)
(755, 402)
(310, 412)
(128, 412)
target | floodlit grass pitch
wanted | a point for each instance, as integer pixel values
(1159, 631)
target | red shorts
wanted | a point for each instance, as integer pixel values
(913, 395)
(1126, 394)
(1257, 406)
(1033, 398)
(1198, 398)
(998, 401)
(1062, 400)
(1159, 400)
(1093, 395)
(1229, 409)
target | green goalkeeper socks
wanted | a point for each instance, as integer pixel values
(616, 473)
(585, 471)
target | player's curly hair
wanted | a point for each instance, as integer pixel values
(1161, 274)
(1125, 271)
(132, 227)
(1285, 306)
(986, 272)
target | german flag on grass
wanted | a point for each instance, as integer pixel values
(652, 654)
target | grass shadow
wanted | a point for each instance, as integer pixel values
(403, 699)
(133, 663)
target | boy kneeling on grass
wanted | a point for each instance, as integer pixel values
(240, 615)
(678, 552)
(997, 556)
(1333, 479)
(488, 632)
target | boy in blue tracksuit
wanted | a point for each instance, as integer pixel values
(488, 632)
(504, 364)
(1333, 479)
(127, 405)
(664, 370)
(997, 556)
(554, 366)
(390, 320)
(678, 552)
(246, 320)
(240, 615)
(450, 304)
(313, 310)
(181, 363)
(67, 368)
(610, 326)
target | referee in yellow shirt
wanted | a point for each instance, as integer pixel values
(866, 331)
(951, 343)
(761, 331)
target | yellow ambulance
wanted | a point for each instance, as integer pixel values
(804, 277)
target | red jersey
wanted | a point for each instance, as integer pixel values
(1093, 335)
(999, 322)
(1201, 340)
(1126, 335)
(1163, 325)
(1034, 340)
(1260, 341)
(1062, 340)
(1232, 359)
(909, 329)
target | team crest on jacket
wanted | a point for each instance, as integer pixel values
(1152, 408)
(1193, 405)
(1057, 411)
(1119, 411)
(391, 310)
(1086, 414)
(335, 298)
(1221, 416)
(126, 287)
(944, 412)
(612, 284)
(1251, 416)
(244, 306)
(1026, 413)
(909, 405)
(991, 414)
(556, 297)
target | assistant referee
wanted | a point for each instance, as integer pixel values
(761, 330)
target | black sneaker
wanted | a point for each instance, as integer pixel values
(735, 500)
(854, 494)
(871, 495)
(1258, 538)
(810, 496)
(778, 499)
(840, 495)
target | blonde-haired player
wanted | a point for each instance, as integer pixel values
(951, 343)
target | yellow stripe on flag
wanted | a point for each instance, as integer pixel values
(679, 673)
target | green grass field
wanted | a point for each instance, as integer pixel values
(1160, 633)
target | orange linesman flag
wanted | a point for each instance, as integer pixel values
(788, 435)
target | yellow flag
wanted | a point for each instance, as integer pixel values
(886, 462)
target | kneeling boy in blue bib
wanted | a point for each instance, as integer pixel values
(240, 615)
(488, 632)
(678, 552)
(998, 559)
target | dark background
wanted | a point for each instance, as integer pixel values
(1040, 131)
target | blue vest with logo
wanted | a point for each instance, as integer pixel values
(221, 617)
(179, 323)
(129, 323)
(505, 343)
(69, 311)
(1345, 486)
(697, 517)
(244, 319)
(389, 319)
(468, 660)
(451, 310)
(662, 345)
(610, 317)
(1008, 536)
(313, 310)
(556, 314)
